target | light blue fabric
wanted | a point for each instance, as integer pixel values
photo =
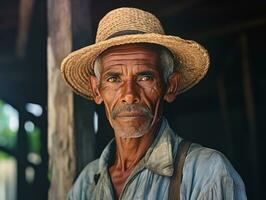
(207, 174)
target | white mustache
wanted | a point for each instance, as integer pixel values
(131, 108)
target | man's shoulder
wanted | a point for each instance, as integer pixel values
(89, 171)
(202, 158)
(208, 173)
(209, 165)
(84, 181)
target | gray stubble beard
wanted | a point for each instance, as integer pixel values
(133, 132)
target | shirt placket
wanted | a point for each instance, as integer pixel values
(104, 188)
(135, 173)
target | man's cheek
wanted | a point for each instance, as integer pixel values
(156, 86)
(153, 92)
(109, 92)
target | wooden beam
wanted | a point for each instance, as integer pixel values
(228, 29)
(9, 15)
(207, 9)
(179, 6)
(60, 101)
(7, 24)
(25, 13)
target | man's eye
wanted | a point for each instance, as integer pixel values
(112, 79)
(145, 78)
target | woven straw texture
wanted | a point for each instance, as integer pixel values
(77, 67)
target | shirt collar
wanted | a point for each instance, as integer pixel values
(159, 158)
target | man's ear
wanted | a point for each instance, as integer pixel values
(95, 91)
(172, 87)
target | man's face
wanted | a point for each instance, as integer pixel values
(131, 88)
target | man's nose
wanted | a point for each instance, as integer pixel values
(130, 94)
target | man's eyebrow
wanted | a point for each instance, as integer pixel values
(151, 73)
(111, 73)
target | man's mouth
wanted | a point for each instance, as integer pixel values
(131, 115)
(131, 111)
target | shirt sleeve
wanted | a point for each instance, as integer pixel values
(70, 195)
(223, 189)
(84, 184)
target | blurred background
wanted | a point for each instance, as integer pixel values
(225, 111)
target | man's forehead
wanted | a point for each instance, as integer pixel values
(132, 48)
(140, 53)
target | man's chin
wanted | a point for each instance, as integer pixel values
(131, 135)
(131, 131)
(131, 127)
(135, 119)
(131, 122)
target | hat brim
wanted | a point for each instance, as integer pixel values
(193, 60)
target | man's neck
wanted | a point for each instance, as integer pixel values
(129, 152)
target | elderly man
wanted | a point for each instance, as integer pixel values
(133, 68)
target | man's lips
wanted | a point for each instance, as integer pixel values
(131, 111)
(130, 115)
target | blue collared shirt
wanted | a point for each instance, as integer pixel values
(207, 174)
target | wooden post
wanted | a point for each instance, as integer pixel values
(83, 109)
(25, 12)
(21, 152)
(223, 100)
(60, 101)
(251, 116)
(71, 141)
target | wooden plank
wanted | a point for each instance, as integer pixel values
(250, 115)
(60, 101)
(25, 12)
(84, 132)
(223, 100)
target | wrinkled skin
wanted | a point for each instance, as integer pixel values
(132, 88)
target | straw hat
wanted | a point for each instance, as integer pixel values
(131, 25)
